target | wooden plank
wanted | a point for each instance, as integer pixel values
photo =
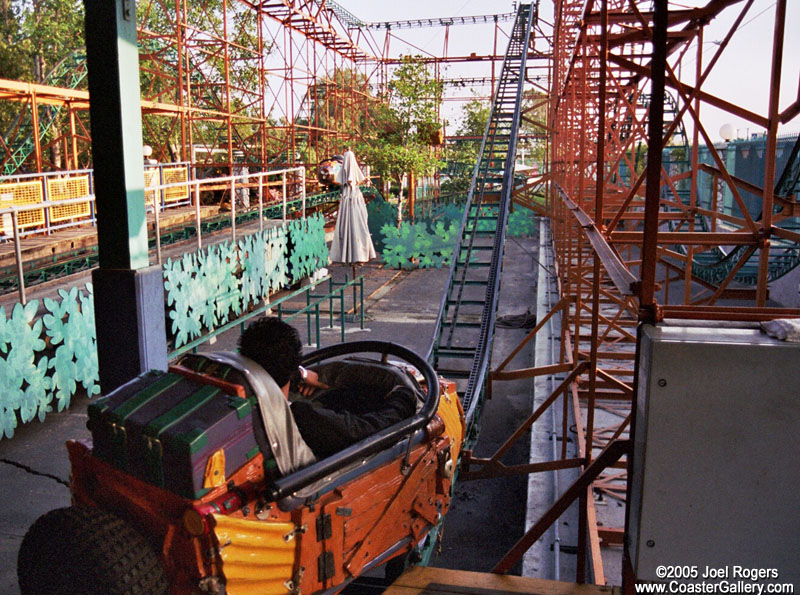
(429, 580)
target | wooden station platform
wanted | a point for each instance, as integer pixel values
(440, 581)
(84, 237)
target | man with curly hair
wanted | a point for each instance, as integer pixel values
(344, 401)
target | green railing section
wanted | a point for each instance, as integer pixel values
(430, 239)
(48, 349)
(44, 356)
(206, 289)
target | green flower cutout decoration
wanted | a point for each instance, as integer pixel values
(379, 214)
(9, 396)
(23, 383)
(431, 240)
(70, 327)
(208, 288)
(522, 222)
(218, 271)
(309, 251)
(85, 350)
(186, 305)
(37, 397)
(33, 370)
(253, 255)
(415, 245)
(276, 265)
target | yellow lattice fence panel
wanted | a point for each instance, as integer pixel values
(173, 175)
(65, 189)
(18, 194)
(150, 181)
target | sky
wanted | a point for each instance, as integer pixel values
(741, 75)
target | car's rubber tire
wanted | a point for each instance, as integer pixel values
(87, 551)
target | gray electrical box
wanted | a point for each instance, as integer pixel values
(716, 477)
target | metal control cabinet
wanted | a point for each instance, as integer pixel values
(716, 476)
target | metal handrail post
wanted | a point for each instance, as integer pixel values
(46, 196)
(316, 318)
(233, 210)
(283, 177)
(162, 193)
(361, 285)
(308, 314)
(157, 226)
(341, 302)
(92, 206)
(197, 214)
(355, 293)
(330, 300)
(260, 203)
(18, 256)
(303, 189)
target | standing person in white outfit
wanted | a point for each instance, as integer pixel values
(352, 242)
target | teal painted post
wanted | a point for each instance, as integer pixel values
(361, 286)
(129, 294)
(330, 300)
(112, 59)
(316, 318)
(308, 314)
(341, 306)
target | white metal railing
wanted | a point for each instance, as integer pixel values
(258, 180)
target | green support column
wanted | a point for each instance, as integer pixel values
(129, 294)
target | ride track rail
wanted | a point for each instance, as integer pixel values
(473, 281)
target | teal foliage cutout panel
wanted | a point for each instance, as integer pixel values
(186, 304)
(217, 268)
(253, 251)
(209, 288)
(522, 222)
(427, 242)
(308, 250)
(277, 267)
(431, 239)
(263, 264)
(45, 357)
(70, 328)
(417, 245)
(379, 214)
(203, 291)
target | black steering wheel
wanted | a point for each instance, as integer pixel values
(285, 486)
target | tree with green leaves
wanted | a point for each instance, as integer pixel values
(407, 125)
(462, 154)
(38, 43)
(37, 35)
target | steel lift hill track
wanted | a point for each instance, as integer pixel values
(464, 327)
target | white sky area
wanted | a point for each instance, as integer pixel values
(741, 76)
